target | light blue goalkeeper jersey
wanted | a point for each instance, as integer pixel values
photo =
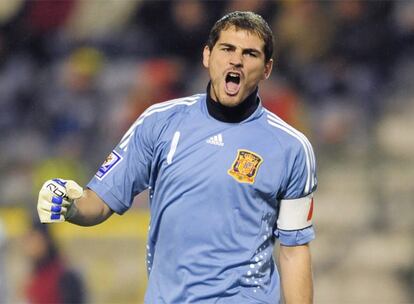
(215, 190)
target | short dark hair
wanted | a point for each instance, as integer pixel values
(249, 21)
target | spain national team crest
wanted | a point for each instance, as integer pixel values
(245, 167)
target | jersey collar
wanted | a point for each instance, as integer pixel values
(232, 114)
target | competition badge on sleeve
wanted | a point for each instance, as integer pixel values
(110, 162)
(245, 167)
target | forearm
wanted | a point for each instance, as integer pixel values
(89, 210)
(296, 274)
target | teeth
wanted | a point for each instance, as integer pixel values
(233, 74)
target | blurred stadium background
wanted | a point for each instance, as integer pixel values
(74, 74)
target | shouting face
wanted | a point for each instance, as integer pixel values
(236, 65)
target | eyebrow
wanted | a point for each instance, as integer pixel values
(248, 50)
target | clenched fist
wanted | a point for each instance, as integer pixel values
(56, 199)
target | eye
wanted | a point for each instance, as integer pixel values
(251, 54)
(226, 49)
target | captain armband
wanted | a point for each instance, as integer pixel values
(295, 214)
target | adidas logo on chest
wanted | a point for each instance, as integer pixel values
(216, 140)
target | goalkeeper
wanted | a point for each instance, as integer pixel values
(226, 178)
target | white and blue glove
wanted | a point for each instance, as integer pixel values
(56, 199)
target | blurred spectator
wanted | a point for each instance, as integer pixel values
(403, 16)
(113, 16)
(41, 25)
(51, 280)
(304, 32)
(341, 63)
(186, 30)
(71, 103)
(16, 87)
(364, 35)
(11, 27)
(178, 27)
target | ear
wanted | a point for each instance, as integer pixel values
(206, 56)
(268, 69)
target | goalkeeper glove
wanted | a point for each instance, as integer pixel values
(56, 200)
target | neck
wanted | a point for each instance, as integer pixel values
(232, 114)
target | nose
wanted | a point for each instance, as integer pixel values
(236, 59)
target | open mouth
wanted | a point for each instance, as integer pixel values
(232, 85)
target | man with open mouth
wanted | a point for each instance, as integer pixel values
(226, 179)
